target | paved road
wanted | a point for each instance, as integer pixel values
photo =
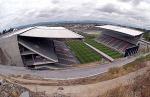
(73, 73)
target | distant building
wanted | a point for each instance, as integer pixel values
(122, 39)
(34, 46)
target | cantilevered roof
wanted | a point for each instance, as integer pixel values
(51, 32)
(16, 32)
(124, 30)
(41, 48)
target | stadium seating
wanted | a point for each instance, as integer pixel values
(64, 55)
(113, 42)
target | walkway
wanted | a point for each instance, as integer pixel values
(72, 73)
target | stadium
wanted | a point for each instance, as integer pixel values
(122, 39)
(36, 46)
(59, 47)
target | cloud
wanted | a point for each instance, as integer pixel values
(110, 8)
(127, 12)
(55, 1)
(135, 2)
(125, 0)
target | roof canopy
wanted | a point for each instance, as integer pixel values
(124, 30)
(42, 48)
(50, 32)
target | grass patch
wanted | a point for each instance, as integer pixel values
(120, 91)
(130, 67)
(83, 52)
(147, 36)
(114, 70)
(140, 87)
(87, 36)
(137, 63)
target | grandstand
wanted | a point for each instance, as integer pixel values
(38, 46)
(64, 54)
(122, 39)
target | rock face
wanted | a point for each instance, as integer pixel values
(25, 94)
(8, 89)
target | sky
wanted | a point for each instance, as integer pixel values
(125, 12)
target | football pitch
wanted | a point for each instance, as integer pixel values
(83, 52)
(103, 48)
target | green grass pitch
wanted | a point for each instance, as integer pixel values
(83, 52)
(103, 48)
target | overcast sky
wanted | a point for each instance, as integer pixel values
(21, 12)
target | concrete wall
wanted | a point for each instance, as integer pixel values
(10, 54)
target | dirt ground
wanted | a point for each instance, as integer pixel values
(113, 73)
(90, 90)
(87, 90)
